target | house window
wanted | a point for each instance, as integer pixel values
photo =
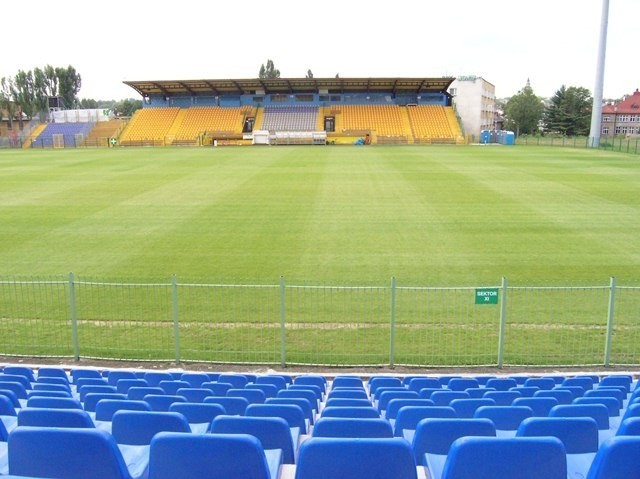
(605, 130)
(606, 119)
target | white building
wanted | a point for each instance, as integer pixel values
(474, 99)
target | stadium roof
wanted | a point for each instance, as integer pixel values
(289, 85)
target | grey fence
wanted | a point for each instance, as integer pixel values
(287, 323)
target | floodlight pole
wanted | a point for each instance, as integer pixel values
(596, 113)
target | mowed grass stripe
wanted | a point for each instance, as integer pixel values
(433, 215)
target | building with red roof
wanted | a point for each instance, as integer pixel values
(622, 118)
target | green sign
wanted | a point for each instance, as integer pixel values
(487, 296)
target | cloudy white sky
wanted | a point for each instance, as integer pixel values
(552, 42)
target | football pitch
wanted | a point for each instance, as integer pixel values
(329, 215)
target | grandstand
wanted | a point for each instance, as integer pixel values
(281, 111)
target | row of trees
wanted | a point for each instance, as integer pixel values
(567, 113)
(27, 93)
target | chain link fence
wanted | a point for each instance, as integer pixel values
(287, 323)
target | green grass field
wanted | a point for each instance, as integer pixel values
(427, 215)
(335, 216)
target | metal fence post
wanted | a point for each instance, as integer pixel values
(392, 336)
(612, 300)
(503, 321)
(176, 330)
(283, 339)
(74, 318)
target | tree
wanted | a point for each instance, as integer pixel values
(309, 73)
(523, 111)
(127, 107)
(6, 98)
(269, 71)
(69, 83)
(569, 112)
(23, 93)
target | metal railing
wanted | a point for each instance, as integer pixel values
(286, 323)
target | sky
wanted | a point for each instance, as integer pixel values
(550, 42)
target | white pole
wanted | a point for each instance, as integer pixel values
(596, 115)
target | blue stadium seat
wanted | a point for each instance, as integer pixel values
(45, 385)
(84, 381)
(11, 396)
(233, 406)
(541, 383)
(466, 408)
(254, 396)
(313, 379)
(41, 417)
(495, 457)
(502, 398)
(340, 458)
(578, 434)
(502, 384)
(355, 412)
(347, 381)
(195, 379)
(91, 389)
(309, 387)
(507, 419)
(300, 393)
(196, 456)
(81, 373)
(395, 404)
(23, 371)
(386, 396)
(53, 402)
(598, 412)
(114, 376)
(525, 391)
(123, 385)
(617, 380)
(377, 382)
(461, 384)
(274, 380)
(106, 408)
(196, 395)
(92, 399)
(417, 384)
(563, 396)
(434, 437)
(629, 427)
(409, 416)
(340, 402)
(162, 402)
(352, 427)
(65, 453)
(16, 386)
(133, 431)
(138, 394)
(617, 458)
(539, 406)
(355, 393)
(238, 381)
(272, 432)
(199, 416)
(50, 372)
(153, 378)
(289, 412)
(171, 387)
(443, 398)
(218, 389)
(269, 390)
(584, 382)
(303, 403)
(50, 394)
